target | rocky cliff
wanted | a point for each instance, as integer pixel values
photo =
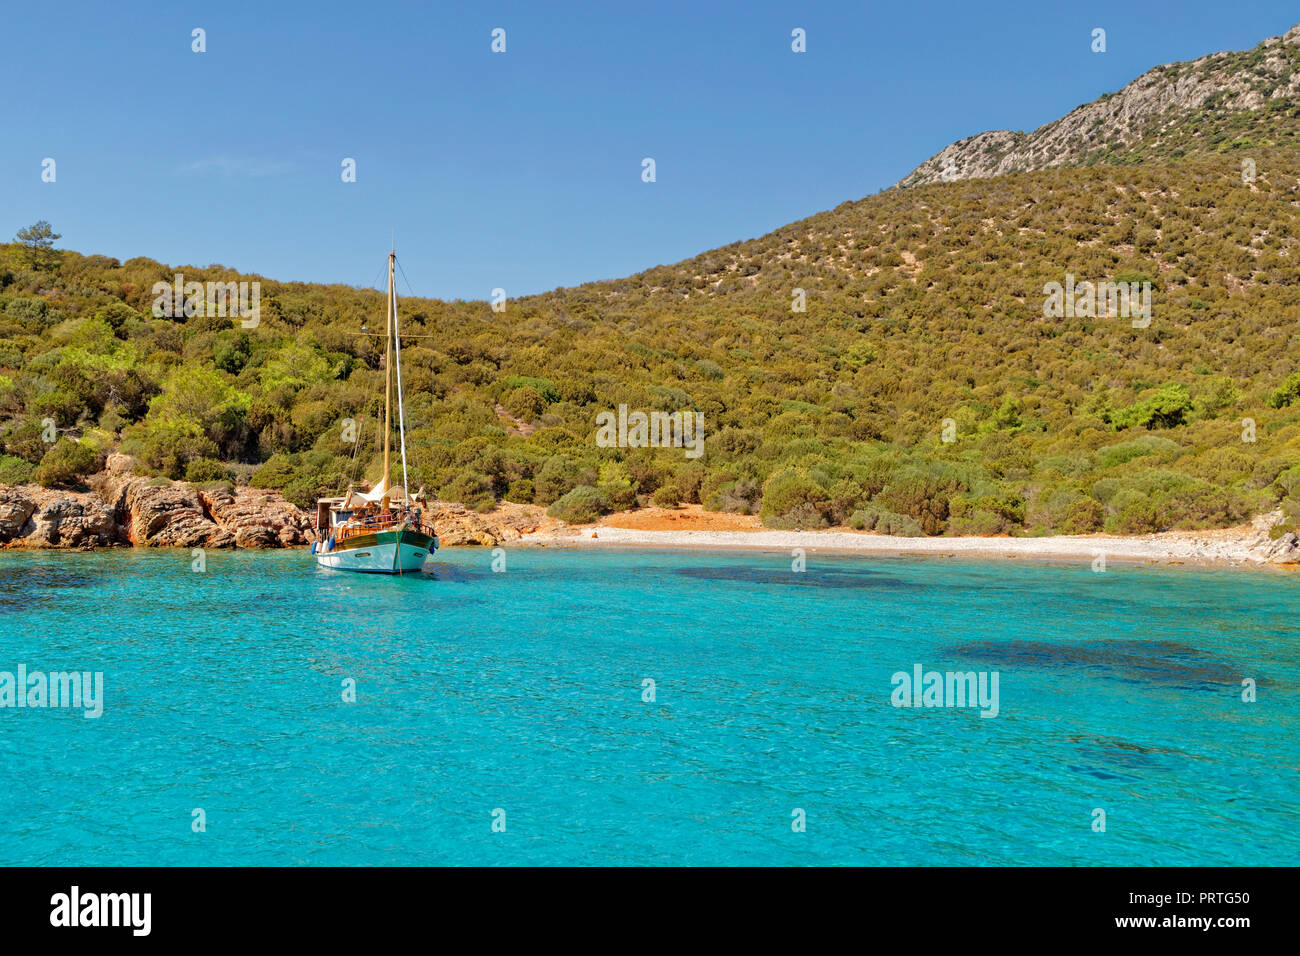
(123, 508)
(458, 525)
(38, 518)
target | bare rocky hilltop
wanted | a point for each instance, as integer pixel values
(124, 509)
(1172, 110)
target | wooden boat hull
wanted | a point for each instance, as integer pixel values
(384, 552)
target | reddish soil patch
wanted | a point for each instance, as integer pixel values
(686, 518)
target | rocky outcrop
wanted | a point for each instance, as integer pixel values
(1153, 109)
(458, 525)
(159, 515)
(1284, 549)
(15, 509)
(124, 508)
(39, 518)
(258, 519)
(67, 523)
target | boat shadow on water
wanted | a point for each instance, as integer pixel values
(451, 573)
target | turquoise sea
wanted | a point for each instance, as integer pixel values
(523, 691)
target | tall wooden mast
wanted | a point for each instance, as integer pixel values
(388, 370)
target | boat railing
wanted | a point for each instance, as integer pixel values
(372, 524)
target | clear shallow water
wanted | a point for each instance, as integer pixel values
(523, 691)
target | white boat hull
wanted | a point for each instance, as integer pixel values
(384, 553)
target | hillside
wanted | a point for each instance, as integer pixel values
(924, 306)
(1222, 103)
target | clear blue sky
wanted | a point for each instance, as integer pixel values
(523, 170)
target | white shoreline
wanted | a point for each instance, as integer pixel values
(1246, 547)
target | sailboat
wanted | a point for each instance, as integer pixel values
(383, 530)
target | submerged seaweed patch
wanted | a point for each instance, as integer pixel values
(1122, 752)
(22, 584)
(1157, 662)
(820, 579)
(1103, 774)
(1114, 759)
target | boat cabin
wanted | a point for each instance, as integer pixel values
(330, 514)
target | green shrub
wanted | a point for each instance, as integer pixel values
(15, 471)
(204, 469)
(524, 403)
(791, 498)
(581, 505)
(277, 472)
(1268, 469)
(1068, 466)
(1083, 516)
(667, 495)
(1167, 407)
(864, 519)
(520, 491)
(1162, 448)
(59, 404)
(846, 496)
(1104, 489)
(1291, 512)
(885, 522)
(471, 489)
(921, 498)
(303, 491)
(1216, 395)
(1287, 392)
(1222, 466)
(1289, 482)
(619, 493)
(66, 464)
(542, 386)
(558, 476)
(741, 496)
(26, 440)
(710, 369)
(804, 516)
(1008, 507)
(977, 521)
(1139, 515)
(900, 526)
(168, 446)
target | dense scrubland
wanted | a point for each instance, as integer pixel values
(921, 305)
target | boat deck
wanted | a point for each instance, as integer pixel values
(388, 521)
